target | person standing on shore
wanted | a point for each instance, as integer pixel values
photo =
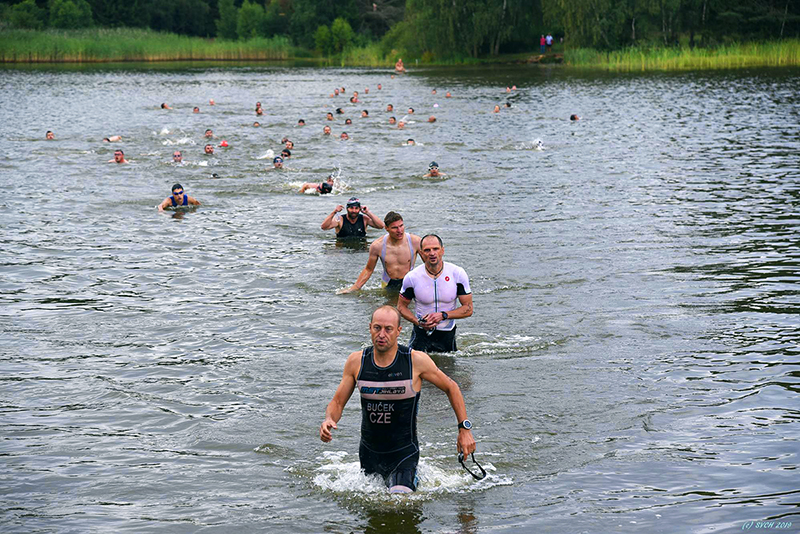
(549, 42)
(542, 44)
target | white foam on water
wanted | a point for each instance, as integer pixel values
(338, 475)
(181, 141)
(269, 154)
(514, 344)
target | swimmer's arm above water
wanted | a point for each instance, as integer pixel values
(363, 278)
(371, 219)
(193, 201)
(429, 371)
(167, 203)
(343, 393)
(332, 220)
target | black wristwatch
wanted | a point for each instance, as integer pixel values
(444, 316)
(465, 424)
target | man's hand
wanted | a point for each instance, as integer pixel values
(326, 435)
(338, 208)
(430, 321)
(465, 443)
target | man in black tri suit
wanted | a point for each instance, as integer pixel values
(389, 379)
(354, 224)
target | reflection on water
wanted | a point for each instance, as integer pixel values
(631, 364)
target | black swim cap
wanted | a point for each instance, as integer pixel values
(433, 165)
(353, 203)
(277, 159)
(325, 188)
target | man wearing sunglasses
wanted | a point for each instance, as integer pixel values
(178, 198)
(119, 157)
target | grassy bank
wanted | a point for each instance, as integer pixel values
(126, 44)
(770, 54)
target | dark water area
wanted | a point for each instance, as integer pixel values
(632, 364)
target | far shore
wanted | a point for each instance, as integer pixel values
(132, 45)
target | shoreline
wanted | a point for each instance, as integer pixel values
(103, 46)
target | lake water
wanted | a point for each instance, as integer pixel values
(632, 364)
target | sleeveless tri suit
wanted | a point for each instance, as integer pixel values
(389, 406)
(349, 229)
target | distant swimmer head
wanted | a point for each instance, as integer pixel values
(508, 104)
(574, 117)
(196, 110)
(390, 108)
(348, 121)
(301, 122)
(209, 149)
(277, 162)
(339, 111)
(325, 188)
(256, 124)
(326, 130)
(286, 153)
(259, 111)
(410, 142)
(433, 165)
(344, 136)
(364, 113)
(392, 120)
(209, 133)
(431, 119)
(177, 156)
(49, 135)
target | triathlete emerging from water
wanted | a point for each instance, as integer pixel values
(397, 251)
(441, 293)
(178, 198)
(389, 379)
(354, 224)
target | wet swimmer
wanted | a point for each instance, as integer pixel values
(209, 133)
(209, 149)
(165, 106)
(277, 163)
(574, 117)
(119, 157)
(433, 171)
(112, 139)
(389, 380)
(496, 109)
(286, 153)
(178, 198)
(399, 67)
(354, 223)
(364, 113)
(441, 293)
(410, 142)
(323, 188)
(196, 110)
(256, 124)
(348, 122)
(259, 111)
(392, 120)
(329, 116)
(177, 157)
(301, 122)
(390, 108)
(344, 136)
(49, 135)
(326, 130)
(397, 251)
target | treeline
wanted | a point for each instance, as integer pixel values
(429, 29)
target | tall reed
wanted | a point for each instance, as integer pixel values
(766, 54)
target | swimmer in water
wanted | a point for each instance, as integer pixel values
(410, 111)
(508, 104)
(431, 119)
(355, 223)
(433, 171)
(49, 135)
(277, 163)
(348, 121)
(364, 113)
(389, 445)
(196, 110)
(497, 109)
(339, 111)
(211, 102)
(258, 106)
(344, 136)
(366, 90)
(410, 142)
(119, 157)
(321, 187)
(209, 133)
(326, 130)
(574, 117)
(286, 154)
(397, 251)
(209, 149)
(256, 124)
(165, 106)
(289, 144)
(177, 157)
(380, 87)
(401, 125)
(392, 120)
(329, 116)
(112, 139)
(433, 92)
(448, 95)
(301, 122)
(178, 198)
(259, 112)
(390, 108)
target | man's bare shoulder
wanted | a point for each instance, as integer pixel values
(376, 245)
(421, 360)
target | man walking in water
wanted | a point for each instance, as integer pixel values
(389, 379)
(436, 286)
(354, 224)
(397, 251)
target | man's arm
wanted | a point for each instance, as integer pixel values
(463, 311)
(193, 201)
(167, 202)
(402, 307)
(365, 275)
(331, 220)
(372, 220)
(346, 387)
(428, 371)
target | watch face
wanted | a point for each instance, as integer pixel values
(466, 424)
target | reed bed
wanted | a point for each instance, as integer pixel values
(126, 44)
(782, 53)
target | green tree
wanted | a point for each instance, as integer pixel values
(323, 40)
(227, 21)
(341, 34)
(27, 15)
(250, 21)
(70, 14)
(274, 21)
